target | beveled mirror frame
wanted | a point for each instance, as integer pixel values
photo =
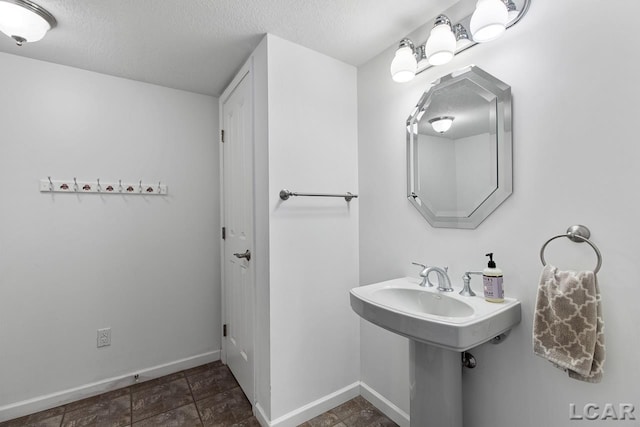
(503, 140)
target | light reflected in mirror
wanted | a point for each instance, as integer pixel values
(459, 149)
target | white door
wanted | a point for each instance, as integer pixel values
(237, 214)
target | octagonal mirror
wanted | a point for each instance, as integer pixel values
(459, 149)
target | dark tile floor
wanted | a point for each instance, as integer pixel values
(357, 412)
(204, 396)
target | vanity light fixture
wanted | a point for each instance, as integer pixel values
(487, 22)
(25, 21)
(441, 43)
(462, 36)
(405, 63)
(441, 124)
(421, 56)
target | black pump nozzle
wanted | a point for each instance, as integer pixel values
(491, 264)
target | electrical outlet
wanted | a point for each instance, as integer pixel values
(104, 337)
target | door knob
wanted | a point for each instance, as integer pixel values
(246, 255)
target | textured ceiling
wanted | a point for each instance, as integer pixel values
(198, 45)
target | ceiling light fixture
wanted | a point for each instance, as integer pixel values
(487, 22)
(24, 21)
(441, 124)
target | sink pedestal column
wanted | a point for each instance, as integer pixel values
(436, 386)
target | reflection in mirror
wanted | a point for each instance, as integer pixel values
(459, 149)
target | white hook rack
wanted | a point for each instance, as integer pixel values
(75, 186)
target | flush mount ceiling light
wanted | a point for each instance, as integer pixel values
(441, 124)
(487, 22)
(24, 21)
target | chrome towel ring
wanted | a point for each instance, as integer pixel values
(578, 234)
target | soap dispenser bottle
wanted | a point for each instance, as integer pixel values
(492, 281)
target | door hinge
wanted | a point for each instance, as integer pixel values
(224, 233)
(222, 136)
(224, 330)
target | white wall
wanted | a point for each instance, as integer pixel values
(261, 217)
(148, 267)
(313, 242)
(574, 114)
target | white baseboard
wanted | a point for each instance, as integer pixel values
(40, 403)
(313, 409)
(384, 405)
(262, 418)
(310, 410)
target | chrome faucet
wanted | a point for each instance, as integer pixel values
(444, 283)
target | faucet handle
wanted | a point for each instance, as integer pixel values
(423, 273)
(466, 279)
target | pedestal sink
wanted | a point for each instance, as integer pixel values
(439, 325)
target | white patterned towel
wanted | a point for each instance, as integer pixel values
(568, 328)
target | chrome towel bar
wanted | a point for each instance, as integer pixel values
(578, 234)
(285, 194)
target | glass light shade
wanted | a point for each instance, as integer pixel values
(21, 23)
(441, 45)
(489, 20)
(404, 65)
(441, 124)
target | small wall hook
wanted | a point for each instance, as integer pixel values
(80, 186)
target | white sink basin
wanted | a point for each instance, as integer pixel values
(443, 319)
(419, 301)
